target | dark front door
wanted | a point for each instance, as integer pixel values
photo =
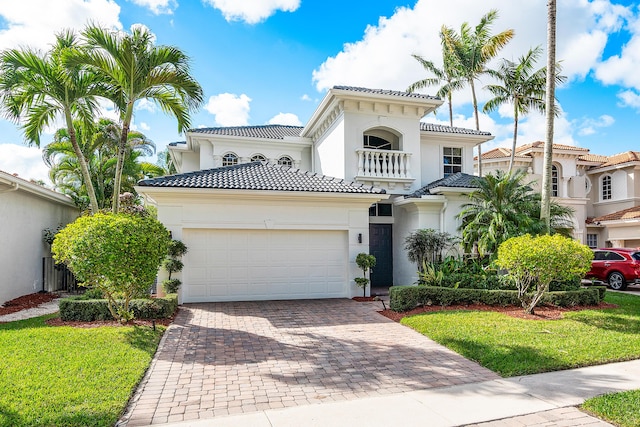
(380, 237)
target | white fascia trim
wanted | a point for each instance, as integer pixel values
(163, 192)
(459, 137)
(19, 184)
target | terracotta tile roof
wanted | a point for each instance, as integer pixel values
(621, 158)
(499, 153)
(593, 158)
(385, 92)
(432, 127)
(540, 144)
(260, 176)
(456, 180)
(264, 131)
(631, 213)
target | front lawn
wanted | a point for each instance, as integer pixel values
(511, 346)
(618, 408)
(64, 376)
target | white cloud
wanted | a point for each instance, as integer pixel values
(25, 161)
(35, 22)
(229, 109)
(382, 58)
(590, 126)
(144, 127)
(629, 98)
(158, 7)
(252, 11)
(146, 105)
(305, 97)
(285, 119)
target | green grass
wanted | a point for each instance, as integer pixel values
(512, 346)
(620, 409)
(63, 376)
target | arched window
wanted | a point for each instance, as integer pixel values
(606, 187)
(285, 161)
(229, 159)
(258, 158)
(555, 180)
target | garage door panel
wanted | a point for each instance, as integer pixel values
(234, 265)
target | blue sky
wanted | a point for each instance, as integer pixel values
(271, 61)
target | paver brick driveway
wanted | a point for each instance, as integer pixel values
(228, 358)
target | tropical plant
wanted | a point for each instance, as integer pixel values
(534, 262)
(504, 206)
(520, 86)
(547, 164)
(119, 254)
(36, 89)
(426, 246)
(133, 68)
(445, 76)
(173, 264)
(366, 262)
(98, 143)
(470, 51)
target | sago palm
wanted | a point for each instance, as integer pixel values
(36, 89)
(520, 86)
(134, 68)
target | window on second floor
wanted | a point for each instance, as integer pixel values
(229, 159)
(285, 161)
(258, 158)
(452, 160)
(606, 187)
(592, 240)
(555, 179)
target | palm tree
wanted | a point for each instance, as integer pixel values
(545, 205)
(471, 50)
(502, 207)
(99, 145)
(520, 86)
(36, 89)
(134, 68)
(445, 76)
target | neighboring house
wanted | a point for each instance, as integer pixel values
(604, 191)
(280, 212)
(26, 210)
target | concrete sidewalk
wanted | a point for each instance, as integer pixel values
(547, 399)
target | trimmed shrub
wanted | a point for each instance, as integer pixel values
(405, 298)
(89, 310)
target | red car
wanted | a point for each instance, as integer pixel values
(616, 266)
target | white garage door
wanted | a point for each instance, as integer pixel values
(247, 265)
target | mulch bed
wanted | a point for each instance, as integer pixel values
(541, 313)
(56, 321)
(26, 301)
(364, 299)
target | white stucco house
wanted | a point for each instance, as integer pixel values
(26, 210)
(280, 212)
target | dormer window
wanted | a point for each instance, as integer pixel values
(452, 160)
(285, 161)
(258, 158)
(229, 159)
(606, 187)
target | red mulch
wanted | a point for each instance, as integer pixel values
(541, 313)
(26, 301)
(364, 299)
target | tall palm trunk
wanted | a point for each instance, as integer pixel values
(450, 109)
(512, 160)
(84, 168)
(475, 112)
(122, 148)
(545, 205)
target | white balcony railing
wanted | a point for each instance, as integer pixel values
(383, 164)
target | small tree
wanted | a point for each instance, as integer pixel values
(425, 246)
(534, 262)
(173, 264)
(366, 262)
(119, 254)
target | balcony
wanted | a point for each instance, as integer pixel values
(378, 166)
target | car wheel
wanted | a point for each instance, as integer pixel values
(617, 282)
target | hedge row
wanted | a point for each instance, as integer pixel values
(493, 282)
(404, 298)
(89, 310)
